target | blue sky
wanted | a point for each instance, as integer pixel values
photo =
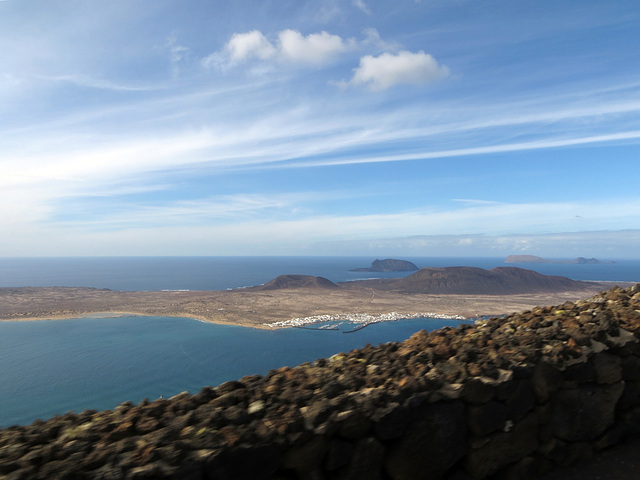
(327, 127)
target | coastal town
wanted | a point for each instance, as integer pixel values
(361, 319)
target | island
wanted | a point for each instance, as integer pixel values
(388, 265)
(536, 259)
(452, 291)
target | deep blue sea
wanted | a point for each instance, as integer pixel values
(51, 367)
(219, 273)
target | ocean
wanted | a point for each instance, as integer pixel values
(220, 273)
(51, 367)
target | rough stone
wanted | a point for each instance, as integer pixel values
(585, 412)
(244, 463)
(338, 454)
(582, 372)
(630, 396)
(431, 445)
(353, 424)
(546, 379)
(503, 448)
(487, 418)
(631, 419)
(306, 457)
(391, 422)
(477, 392)
(366, 461)
(608, 368)
(521, 401)
(631, 368)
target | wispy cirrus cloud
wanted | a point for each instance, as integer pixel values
(220, 209)
(73, 164)
(605, 245)
(361, 5)
(100, 83)
(110, 118)
(297, 214)
(548, 143)
(454, 231)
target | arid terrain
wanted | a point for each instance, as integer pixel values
(256, 307)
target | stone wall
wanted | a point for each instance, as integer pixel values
(505, 399)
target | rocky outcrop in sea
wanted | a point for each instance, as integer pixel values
(536, 259)
(389, 265)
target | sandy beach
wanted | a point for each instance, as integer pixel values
(258, 308)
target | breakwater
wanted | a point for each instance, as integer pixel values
(509, 397)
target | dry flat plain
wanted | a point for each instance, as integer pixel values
(256, 308)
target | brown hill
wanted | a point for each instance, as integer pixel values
(296, 281)
(472, 280)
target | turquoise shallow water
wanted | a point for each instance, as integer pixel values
(51, 367)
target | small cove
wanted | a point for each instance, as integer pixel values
(49, 367)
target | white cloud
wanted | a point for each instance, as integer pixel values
(245, 46)
(314, 48)
(403, 68)
(290, 47)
